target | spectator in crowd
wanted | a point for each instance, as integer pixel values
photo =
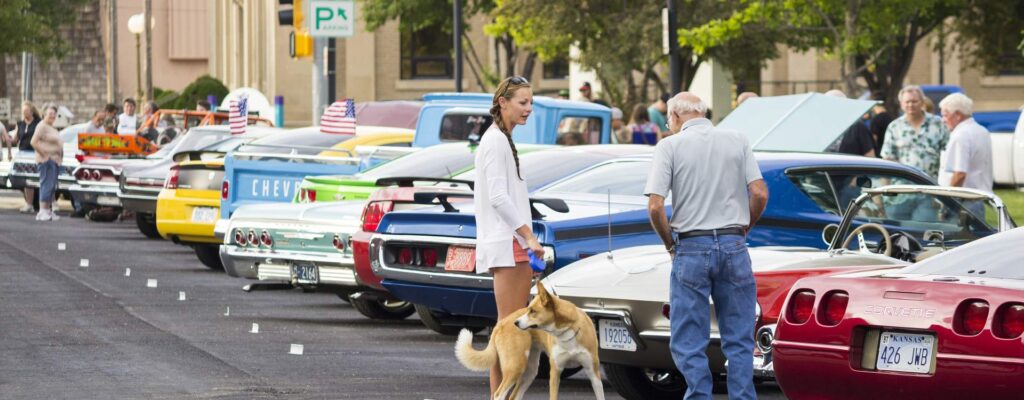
(26, 129)
(642, 130)
(656, 113)
(856, 139)
(110, 110)
(917, 137)
(588, 94)
(879, 123)
(967, 159)
(49, 152)
(717, 195)
(619, 129)
(744, 96)
(202, 105)
(95, 124)
(128, 122)
(148, 110)
(929, 105)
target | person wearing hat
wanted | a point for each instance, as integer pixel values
(588, 94)
(621, 133)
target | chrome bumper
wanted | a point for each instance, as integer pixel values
(90, 195)
(220, 230)
(764, 340)
(334, 270)
(139, 201)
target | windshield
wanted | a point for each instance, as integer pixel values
(928, 218)
(995, 257)
(626, 178)
(194, 140)
(543, 167)
(303, 142)
(228, 144)
(432, 162)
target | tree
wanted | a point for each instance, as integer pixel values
(34, 26)
(873, 39)
(991, 34)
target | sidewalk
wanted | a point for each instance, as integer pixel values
(12, 200)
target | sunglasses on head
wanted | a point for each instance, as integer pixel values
(518, 80)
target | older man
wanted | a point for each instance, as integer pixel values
(717, 196)
(917, 138)
(967, 160)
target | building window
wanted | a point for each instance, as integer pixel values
(427, 54)
(557, 68)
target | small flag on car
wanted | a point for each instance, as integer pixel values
(238, 114)
(340, 118)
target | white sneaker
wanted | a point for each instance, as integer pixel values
(27, 209)
(43, 215)
(54, 216)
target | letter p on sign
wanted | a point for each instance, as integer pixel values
(332, 18)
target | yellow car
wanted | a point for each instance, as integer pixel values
(188, 206)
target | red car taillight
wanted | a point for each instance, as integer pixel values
(374, 212)
(800, 306)
(429, 257)
(96, 175)
(80, 157)
(225, 188)
(240, 238)
(405, 256)
(665, 309)
(1009, 321)
(338, 243)
(252, 238)
(833, 308)
(172, 178)
(970, 318)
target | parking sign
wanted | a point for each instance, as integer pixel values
(331, 18)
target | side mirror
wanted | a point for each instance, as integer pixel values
(829, 233)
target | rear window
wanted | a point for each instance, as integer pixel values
(458, 126)
(432, 162)
(995, 257)
(200, 179)
(573, 131)
(543, 167)
(626, 178)
(307, 142)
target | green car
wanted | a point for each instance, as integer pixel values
(438, 161)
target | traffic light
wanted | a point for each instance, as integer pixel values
(300, 43)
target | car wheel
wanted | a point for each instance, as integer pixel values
(382, 308)
(635, 383)
(147, 225)
(209, 255)
(433, 321)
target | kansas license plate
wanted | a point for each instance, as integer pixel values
(205, 214)
(108, 201)
(905, 352)
(305, 274)
(462, 259)
(614, 335)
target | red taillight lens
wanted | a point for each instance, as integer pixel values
(338, 243)
(96, 175)
(833, 308)
(80, 157)
(374, 212)
(800, 306)
(429, 257)
(311, 196)
(240, 238)
(172, 178)
(265, 239)
(1009, 321)
(665, 310)
(252, 238)
(225, 188)
(971, 317)
(405, 256)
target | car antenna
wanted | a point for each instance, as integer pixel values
(610, 225)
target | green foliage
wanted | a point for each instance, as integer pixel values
(992, 35)
(33, 26)
(165, 98)
(198, 90)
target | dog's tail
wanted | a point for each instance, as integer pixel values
(473, 359)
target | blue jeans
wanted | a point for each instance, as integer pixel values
(719, 267)
(48, 181)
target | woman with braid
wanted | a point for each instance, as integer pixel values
(503, 219)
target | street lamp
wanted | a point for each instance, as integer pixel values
(136, 25)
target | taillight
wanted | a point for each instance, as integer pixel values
(172, 178)
(338, 243)
(374, 212)
(96, 175)
(429, 258)
(971, 316)
(665, 309)
(800, 306)
(265, 239)
(1009, 321)
(311, 196)
(224, 189)
(252, 238)
(405, 256)
(833, 308)
(80, 157)
(240, 238)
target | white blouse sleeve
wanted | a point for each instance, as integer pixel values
(496, 175)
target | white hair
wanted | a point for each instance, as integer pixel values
(836, 93)
(679, 107)
(909, 89)
(957, 102)
(616, 113)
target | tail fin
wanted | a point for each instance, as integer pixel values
(474, 360)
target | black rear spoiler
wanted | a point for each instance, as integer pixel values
(197, 155)
(556, 205)
(408, 181)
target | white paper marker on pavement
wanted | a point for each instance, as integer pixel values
(62, 246)
(84, 263)
(255, 328)
(127, 272)
(150, 282)
(296, 349)
(227, 311)
(181, 296)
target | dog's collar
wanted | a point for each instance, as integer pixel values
(574, 334)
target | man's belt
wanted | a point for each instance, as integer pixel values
(710, 232)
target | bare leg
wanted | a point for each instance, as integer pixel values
(511, 292)
(29, 194)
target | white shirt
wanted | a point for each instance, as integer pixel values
(127, 124)
(501, 202)
(969, 151)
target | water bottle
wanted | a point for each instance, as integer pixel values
(536, 263)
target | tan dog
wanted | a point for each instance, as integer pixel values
(550, 325)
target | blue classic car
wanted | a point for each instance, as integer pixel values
(606, 210)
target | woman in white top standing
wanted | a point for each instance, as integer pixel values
(503, 219)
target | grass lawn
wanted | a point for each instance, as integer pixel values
(1014, 201)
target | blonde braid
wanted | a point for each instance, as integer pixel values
(506, 89)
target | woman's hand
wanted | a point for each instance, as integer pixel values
(533, 244)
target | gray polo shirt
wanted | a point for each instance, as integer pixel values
(707, 171)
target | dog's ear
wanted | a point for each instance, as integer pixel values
(543, 296)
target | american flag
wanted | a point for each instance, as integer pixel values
(340, 118)
(238, 115)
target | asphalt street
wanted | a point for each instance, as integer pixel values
(68, 331)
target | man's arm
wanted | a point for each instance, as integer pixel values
(958, 179)
(659, 221)
(758, 200)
